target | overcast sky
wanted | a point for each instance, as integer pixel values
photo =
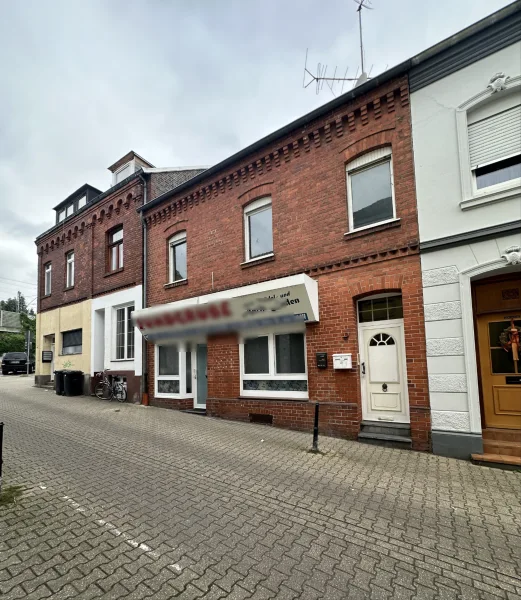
(181, 82)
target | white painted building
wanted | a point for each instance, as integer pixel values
(466, 124)
(116, 343)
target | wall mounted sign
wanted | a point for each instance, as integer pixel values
(322, 360)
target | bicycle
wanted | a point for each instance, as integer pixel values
(107, 389)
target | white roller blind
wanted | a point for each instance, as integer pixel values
(496, 137)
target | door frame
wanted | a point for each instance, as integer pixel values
(53, 349)
(195, 374)
(362, 327)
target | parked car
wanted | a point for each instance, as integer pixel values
(16, 362)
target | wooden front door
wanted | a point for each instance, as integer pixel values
(500, 373)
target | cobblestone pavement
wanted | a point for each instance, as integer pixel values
(129, 502)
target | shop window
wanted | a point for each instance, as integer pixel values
(115, 249)
(258, 229)
(370, 190)
(274, 365)
(72, 341)
(70, 269)
(173, 370)
(380, 309)
(124, 333)
(47, 279)
(177, 257)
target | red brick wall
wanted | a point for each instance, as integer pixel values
(86, 235)
(306, 178)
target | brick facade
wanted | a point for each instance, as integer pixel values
(305, 175)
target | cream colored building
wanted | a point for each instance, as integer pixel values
(66, 332)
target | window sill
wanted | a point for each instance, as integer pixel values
(122, 360)
(491, 196)
(174, 284)
(67, 289)
(274, 398)
(373, 229)
(257, 261)
(46, 296)
(114, 272)
(71, 354)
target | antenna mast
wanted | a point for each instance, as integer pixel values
(321, 71)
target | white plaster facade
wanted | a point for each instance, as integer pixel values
(103, 348)
(449, 205)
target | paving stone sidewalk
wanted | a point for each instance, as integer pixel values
(123, 501)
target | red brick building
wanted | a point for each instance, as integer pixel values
(321, 216)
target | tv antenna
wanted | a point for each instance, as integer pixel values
(321, 73)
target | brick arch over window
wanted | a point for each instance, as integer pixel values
(386, 284)
(368, 144)
(176, 227)
(256, 192)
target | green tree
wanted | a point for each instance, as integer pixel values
(17, 304)
(12, 342)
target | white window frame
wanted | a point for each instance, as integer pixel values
(273, 375)
(256, 206)
(117, 173)
(69, 279)
(82, 202)
(47, 283)
(61, 215)
(471, 195)
(124, 307)
(181, 345)
(175, 240)
(69, 210)
(364, 163)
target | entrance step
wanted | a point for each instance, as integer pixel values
(503, 435)
(385, 433)
(195, 411)
(497, 460)
(382, 439)
(501, 447)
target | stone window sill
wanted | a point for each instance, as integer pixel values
(67, 289)
(370, 230)
(491, 197)
(174, 284)
(114, 272)
(257, 261)
(46, 296)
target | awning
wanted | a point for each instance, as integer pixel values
(285, 300)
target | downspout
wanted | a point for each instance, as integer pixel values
(144, 362)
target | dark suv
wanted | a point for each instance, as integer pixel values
(15, 362)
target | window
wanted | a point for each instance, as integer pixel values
(123, 173)
(173, 368)
(177, 260)
(61, 215)
(70, 269)
(370, 189)
(82, 202)
(274, 365)
(258, 229)
(71, 342)
(489, 140)
(69, 210)
(124, 333)
(380, 309)
(115, 247)
(47, 279)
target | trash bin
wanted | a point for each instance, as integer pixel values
(58, 382)
(73, 383)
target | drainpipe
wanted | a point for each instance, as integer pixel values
(144, 365)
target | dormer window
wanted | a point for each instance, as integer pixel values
(61, 215)
(82, 202)
(123, 173)
(69, 210)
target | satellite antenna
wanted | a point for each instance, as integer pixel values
(321, 73)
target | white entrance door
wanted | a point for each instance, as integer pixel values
(383, 373)
(52, 362)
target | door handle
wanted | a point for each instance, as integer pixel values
(195, 373)
(363, 368)
(384, 387)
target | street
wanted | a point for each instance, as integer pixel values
(123, 501)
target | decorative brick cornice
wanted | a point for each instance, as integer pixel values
(313, 138)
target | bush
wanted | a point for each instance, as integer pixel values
(12, 342)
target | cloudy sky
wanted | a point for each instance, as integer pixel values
(181, 82)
